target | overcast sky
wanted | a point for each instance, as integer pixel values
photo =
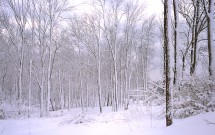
(153, 7)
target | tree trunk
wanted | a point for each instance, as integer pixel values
(176, 34)
(194, 37)
(211, 48)
(29, 89)
(69, 97)
(99, 77)
(115, 85)
(20, 79)
(167, 43)
(41, 92)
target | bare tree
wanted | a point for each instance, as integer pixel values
(111, 35)
(209, 10)
(94, 48)
(55, 10)
(176, 43)
(133, 14)
(193, 12)
(19, 11)
(167, 51)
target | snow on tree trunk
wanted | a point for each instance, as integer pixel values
(99, 75)
(20, 79)
(115, 84)
(69, 96)
(168, 64)
(50, 55)
(211, 29)
(176, 45)
(99, 84)
(41, 92)
(29, 89)
(127, 82)
(209, 10)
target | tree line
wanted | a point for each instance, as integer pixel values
(53, 57)
(51, 61)
(198, 19)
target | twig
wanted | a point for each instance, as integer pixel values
(209, 122)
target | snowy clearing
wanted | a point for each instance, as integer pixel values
(135, 121)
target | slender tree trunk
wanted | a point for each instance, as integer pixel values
(167, 44)
(176, 21)
(183, 65)
(41, 92)
(49, 81)
(99, 77)
(31, 59)
(87, 98)
(126, 82)
(212, 8)
(2, 87)
(115, 85)
(64, 91)
(61, 90)
(211, 47)
(29, 89)
(69, 97)
(81, 89)
(20, 78)
(145, 67)
(50, 56)
(194, 37)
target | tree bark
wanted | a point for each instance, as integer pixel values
(167, 26)
(176, 34)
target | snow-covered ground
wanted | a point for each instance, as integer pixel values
(137, 120)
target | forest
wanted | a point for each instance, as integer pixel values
(58, 55)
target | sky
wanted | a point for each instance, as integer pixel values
(153, 7)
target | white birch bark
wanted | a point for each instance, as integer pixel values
(29, 89)
(168, 62)
(211, 16)
(69, 97)
(171, 52)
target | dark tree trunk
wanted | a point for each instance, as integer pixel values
(175, 42)
(167, 64)
(194, 37)
(209, 40)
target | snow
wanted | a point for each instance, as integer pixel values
(137, 120)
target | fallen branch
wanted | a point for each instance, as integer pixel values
(209, 122)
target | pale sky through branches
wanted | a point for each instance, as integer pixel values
(152, 6)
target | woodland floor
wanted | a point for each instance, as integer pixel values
(137, 120)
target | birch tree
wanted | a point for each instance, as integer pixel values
(111, 36)
(31, 51)
(38, 69)
(176, 43)
(195, 18)
(146, 44)
(209, 10)
(55, 10)
(19, 11)
(167, 53)
(94, 48)
(133, 14)
(77, 33)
